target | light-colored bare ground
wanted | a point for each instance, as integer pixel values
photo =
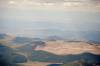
(65, 48)
(36, 63)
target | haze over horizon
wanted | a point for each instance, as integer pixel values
(41, 17)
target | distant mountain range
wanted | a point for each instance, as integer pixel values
(26, 40)
(2, 36)
(22, 40)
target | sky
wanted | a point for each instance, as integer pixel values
(29, 17)
(49, 3)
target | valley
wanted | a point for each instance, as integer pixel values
(39, 52)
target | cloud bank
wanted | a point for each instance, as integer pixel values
(64, 3)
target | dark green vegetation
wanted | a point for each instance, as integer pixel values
(9, 58)
(55, 65)
(6, 56)
(80, 62)
(43, 56)
(70, 64)
(19, 58)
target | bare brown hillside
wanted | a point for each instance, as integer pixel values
(65, 48)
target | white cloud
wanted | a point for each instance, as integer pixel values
(11, 2)
(54, 4)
